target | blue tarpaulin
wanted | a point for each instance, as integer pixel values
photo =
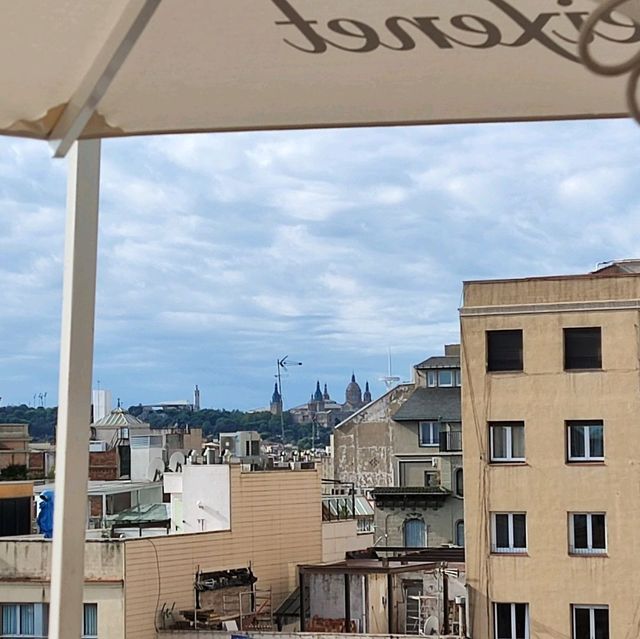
(45, 515)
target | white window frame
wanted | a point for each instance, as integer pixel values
(513, 619)
(511, 548)
(592, 617)
(587, 425)
(453, 378)
(509, 446)
(589, 550)
(40, 613)
(431, 425)
(84, 629)
(432, 378)
(458, 377)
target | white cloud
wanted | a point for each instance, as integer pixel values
(220, 253)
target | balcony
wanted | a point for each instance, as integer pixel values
(451, 441)
(408, 497)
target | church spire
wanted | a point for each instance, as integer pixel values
(317, 396)
(325, 395)
(366, 397)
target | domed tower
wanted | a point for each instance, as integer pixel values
(276, 401)
(317, 396)
(353, 393)
(366, 398)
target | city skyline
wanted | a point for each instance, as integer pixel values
(221, 253)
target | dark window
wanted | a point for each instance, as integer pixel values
(588, 533)
(585, 440)
(507, 441)
(504, 350)
(590, 622)
(582, 348)
(509, 533)
(15, 516)
(459, 482)
(511, 621)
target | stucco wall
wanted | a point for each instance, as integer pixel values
(546, 487)
(340, 537)
(364, 444)
(30, 559)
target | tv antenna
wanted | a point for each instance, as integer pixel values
(282, 363)
(390, 380)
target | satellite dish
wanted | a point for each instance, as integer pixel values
(155, 469)
(431, 626)
(176, 462)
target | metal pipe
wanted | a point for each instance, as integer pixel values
(302, 601)
(347, 603)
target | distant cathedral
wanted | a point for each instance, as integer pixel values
(321, 409)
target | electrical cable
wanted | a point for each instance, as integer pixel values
(155, 614)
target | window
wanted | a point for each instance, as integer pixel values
(587, 533)
(585, 440)
(90, 621)
(507, 441)
(429, 433)
(511, 620)
(458, 375)
(365, 525)
(22, 620)
(509, 533)
(459, 482)
(432, 378)
(582, 348)
(445, 378)
(504, 350)
(590, 622)
(460, 533)
(431, 478)
(414, 533)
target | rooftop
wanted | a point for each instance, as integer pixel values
(119, 417)
(616, 284)
(619, 266)
(439, 404)
(439, 361)
(108, 487)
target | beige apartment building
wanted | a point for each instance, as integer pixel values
(551, 406)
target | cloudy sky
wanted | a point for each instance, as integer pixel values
(220, 253)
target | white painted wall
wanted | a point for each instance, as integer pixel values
(200, 498)
(341, 537)
(141, 457)
(102, 404)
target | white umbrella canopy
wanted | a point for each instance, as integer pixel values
(209, 65)
(80, 70)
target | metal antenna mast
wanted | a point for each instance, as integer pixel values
(281, 365)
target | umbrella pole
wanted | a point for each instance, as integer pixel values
(74, 402)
